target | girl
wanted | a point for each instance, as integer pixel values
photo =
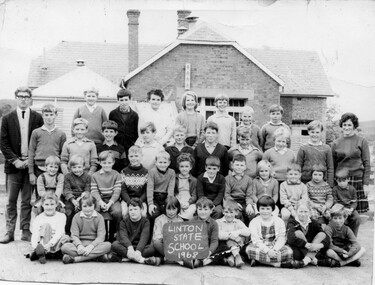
(87, 233)
(47, 230)
(191, 119)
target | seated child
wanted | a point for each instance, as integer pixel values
(252, 153)
(134, 181)
(76, 183)
(268, 237)
(247, 121)
(160, 185)
(320, 194)
(344, 246)
(106, 188)
(87, 234)
(50, 182)
(265, 184)
(232, 233)
(291, 191)
(186, 186)
(47, 230)
(133, 236)
(204, 210)
(150, 147)
(211, 184)
(346, 195)
(239, 188)
(179, 146)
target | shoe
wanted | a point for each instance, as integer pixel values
(188, 263)
(239, 261)
(67, 259)
(33, 256)
(26, 235)
(254, 263)
(104, 258)
(7, 238)
(198, 263)
(112, 257)
(328, 262)
(295, 264)
(41, 253)
(230, 261)
(153, 261)
(355, 263)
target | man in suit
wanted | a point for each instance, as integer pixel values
(16, 128)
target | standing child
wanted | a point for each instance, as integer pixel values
(344, 246)
(320, 194)
(315, 152)
(210, 147)
(211, 184)
(179, 146)
(160, 185)
(76, 183)
(94, 114)
(47, 230)
(268, 129)
(81, 145)
(191, 119)
(186, 186)
(227, 131)
(134, 181)
(292, 191)
(247, 119)
(109, 130)
(88, 233)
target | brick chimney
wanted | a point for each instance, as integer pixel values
(133, 24)
(182, 24)
(191, 21)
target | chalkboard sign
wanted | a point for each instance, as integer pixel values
(185, 240)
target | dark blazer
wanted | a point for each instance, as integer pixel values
(10, 137)
(127, 130)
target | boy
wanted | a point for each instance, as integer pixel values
(81, 145)
(252, 153)
(346, 195)
(239, 188)
(150, 147)
(210, 147)
(179, 146)
(315, 152)
(44, 141)
(276, 113)
(211, 184)
(344, 246)
(126, 119)
(109, 131)
(106, 188)
(133, 236)
(160, 185)
(232, 233)
(291, 191)
(94, 114)
(227, 131)
(247, 119)
(134, 181)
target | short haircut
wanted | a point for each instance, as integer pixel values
(205, 202)
(338, 210)
(148, 126)
(306, 203)
(266, 201)
(295, 167)
(230, 204)
(75, 160)
(239, 157)
(247, 110)
(104, 155)
(212, 126)
(342, 173)
(185, 157)
(135, 149)
(192, 94)
(136, 202)
(124, 93)
(220, 97)
(349, 116)
(319, 168)
(157, 92)
(80, 121)
(87, 199)
(49, 108)
(243, 131)
(212, 161)
(110, 125)
(315, 125)
(281, 132)
(163, 154)
(91, 90)
(179, 129)
(50, 196)
(23, 89)
(52, 159)
(264, 164)
(276, 108)
(173, 203)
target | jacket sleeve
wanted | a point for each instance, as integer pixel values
(93, 158)
(40, 187)
(284, 196)
(60, 184)
(220, 195)
(171, 183)
(150, 188)
(116, 188)
(292, 239)
(193, 190)
(67, 191)
(250, 194)
(32, 149)
(200, 187)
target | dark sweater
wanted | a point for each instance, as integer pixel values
(134, 183)
(174, 153)
(346, 197)
(342, 239)
(213, 191)
(192, 188)
(212, 233)
(74, 185)
(134, 234)
(118, 152)
(200, 154)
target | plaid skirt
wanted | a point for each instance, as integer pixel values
(362, 201)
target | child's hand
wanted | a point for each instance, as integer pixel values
(185, 205)
(272, 253)
(131, 252)
(76, 205)
(80, 249)
(249, 210)
(103, 205)
(32, 178)
(239, 207)
(109, 205)
(234, 235)
(151, 209)
(88, 249)
(138, 256)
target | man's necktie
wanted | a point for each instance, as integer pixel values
(23, 114)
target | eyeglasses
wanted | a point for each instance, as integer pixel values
(23, 97)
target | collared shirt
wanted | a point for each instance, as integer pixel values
(46, 129)
(211, 180)
(246, 150)
(281, 151)
(319, 143)
(94, 214)
(210, 148)
(237, 176)
(91, 108)
(75, 139)
(24, 127)
(304, 225)
(113, 143)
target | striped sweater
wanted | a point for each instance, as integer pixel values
(106, 186)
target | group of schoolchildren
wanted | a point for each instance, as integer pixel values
(259, 201)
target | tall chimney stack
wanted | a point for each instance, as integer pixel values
(133, 24)
(182, 24)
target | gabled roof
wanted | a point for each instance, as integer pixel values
(73, 83)
(205, 32)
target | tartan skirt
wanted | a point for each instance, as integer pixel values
(362, 201)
